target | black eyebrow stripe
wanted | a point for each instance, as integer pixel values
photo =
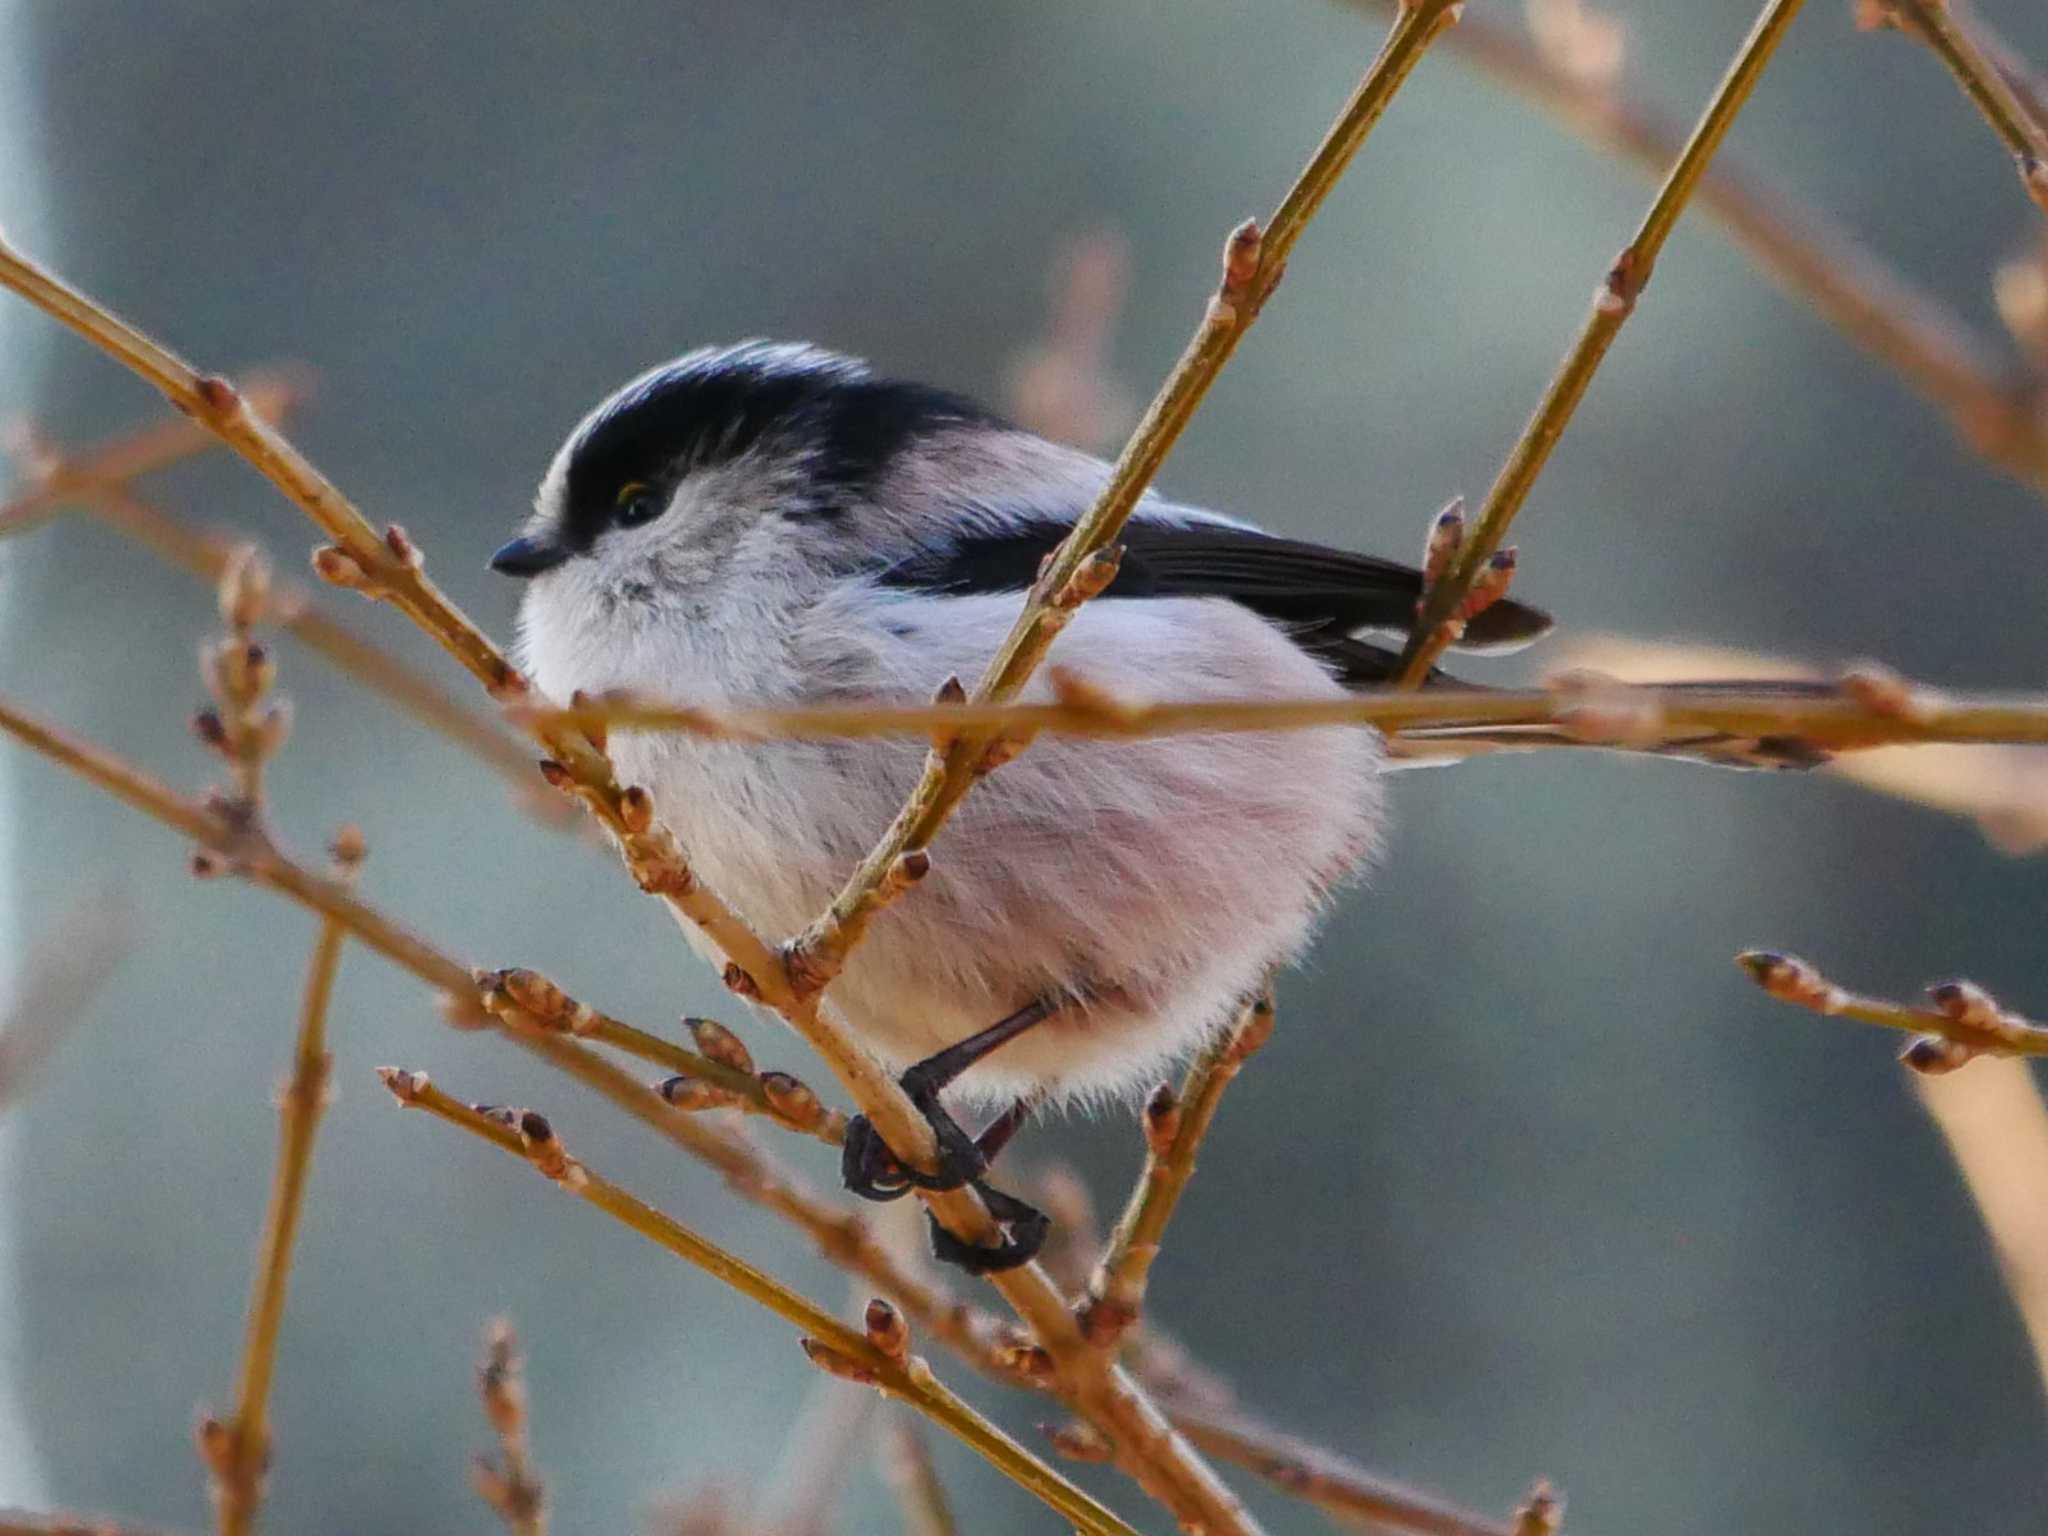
(710, 408)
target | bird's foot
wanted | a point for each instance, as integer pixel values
(1026, 1224)
(872, 1171)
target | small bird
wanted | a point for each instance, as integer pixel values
(776, 523)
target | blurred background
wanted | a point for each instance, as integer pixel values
(1530, 1179)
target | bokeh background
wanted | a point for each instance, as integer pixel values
(1529, 1181)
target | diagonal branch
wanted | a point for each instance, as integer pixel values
(111, 465)
(1613, 302)
(1175, 1126)
(841, 1236)
(1954, 38)
(204, 555)
(1084, 564)
(833, 1345)
(1873, 304)
(238, 1451)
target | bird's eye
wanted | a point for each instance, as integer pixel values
(637, 503)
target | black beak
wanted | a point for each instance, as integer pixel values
(527, 558)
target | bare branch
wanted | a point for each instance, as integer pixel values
(510, 1485)
(1965, 1021)
(1613, 302)
(997, 1349)
(831, 1344)
(1587, 708)
(59, 478)
(1331, 1483)
(1953, 35)
(1874, 305)
(204, 555)
(1175, 1126)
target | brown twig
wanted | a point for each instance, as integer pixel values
(1330, 1482)
(237, 1451)
(1614, 301)
(16, 1522)
(844, 1237)
(204, 555)
(1084, 563)
(1874, 305)
(832, 1345)
(57, 479)
(389, 566)
(510, 1485)
(1964, 1023)
(1954, 38)
(1589, 709)
(1175, 1126)
(720, 1067)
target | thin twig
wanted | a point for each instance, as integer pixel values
(1942, 26)
(204, 555)
(1964, 1022)
(1085, 561)
(1613, 302)
(17, 1522)
(1330, 1482)
(57, 479)
(1873, 304)
(510, 1485)
(238, 1450)
(843, 1237)
(389, 566)
(720, 1065)
(1175, 1126)
(907, 1463)
(831, 1344)
(1585, 706)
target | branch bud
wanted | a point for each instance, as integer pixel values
(1161, 1120)
(794, 1102)
(887, 1330)
(720, 1044)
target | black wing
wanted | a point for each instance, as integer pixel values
(1325, 595)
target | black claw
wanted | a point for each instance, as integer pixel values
(873, 1172)
(867, 1166)
(1027, 1225)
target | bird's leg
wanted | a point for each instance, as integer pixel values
(873, 1172)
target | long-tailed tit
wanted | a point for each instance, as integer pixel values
(777, 523)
